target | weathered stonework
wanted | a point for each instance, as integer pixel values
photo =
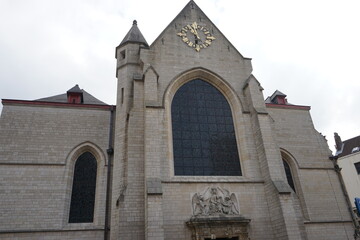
(39, 145)
(219, 227)
(214, 201)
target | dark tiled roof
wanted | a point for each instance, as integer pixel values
(349, 145)
(278, 100)
(75, 89)
(62, 98)
(272, 98)
(268, 100)
(134, 36)
(277, 93)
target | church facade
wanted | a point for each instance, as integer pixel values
(191, 150)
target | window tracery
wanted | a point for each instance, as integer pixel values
(203, 132)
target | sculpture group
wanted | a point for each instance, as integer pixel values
(214, 201)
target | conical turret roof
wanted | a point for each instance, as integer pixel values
(134, 36)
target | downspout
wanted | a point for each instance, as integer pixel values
(338, 170)
(110, 152)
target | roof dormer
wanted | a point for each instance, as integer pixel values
(75, 95)
(278, 98)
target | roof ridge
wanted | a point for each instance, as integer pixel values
(62, 98)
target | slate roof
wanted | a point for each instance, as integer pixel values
(349, 145)
(134, 36)
(272, 97)
(278, 93)
(62, 98)
(75, 89)
(268, 100)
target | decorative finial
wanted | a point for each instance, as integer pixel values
(134, 22)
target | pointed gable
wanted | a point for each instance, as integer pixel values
(174, 53)
(192, 27)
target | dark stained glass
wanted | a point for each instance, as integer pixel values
(83, 190)
(203, 132)
(289, 175)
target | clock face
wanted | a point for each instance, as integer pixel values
(196, 36)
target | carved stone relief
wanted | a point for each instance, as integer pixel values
(216, 215)
(214, 201)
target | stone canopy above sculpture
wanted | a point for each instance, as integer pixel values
(214, 201)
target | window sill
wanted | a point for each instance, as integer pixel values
(82, 226)
(206, 179)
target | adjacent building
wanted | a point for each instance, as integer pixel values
(348, 153)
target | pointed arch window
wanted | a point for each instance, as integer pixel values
(289, 176)
(204, 139)
(83, 189)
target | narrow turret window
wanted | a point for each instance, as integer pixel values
(83, 189)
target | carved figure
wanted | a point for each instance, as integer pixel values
(338, 142)
(200, 206)
(215, 202)
(228, 205)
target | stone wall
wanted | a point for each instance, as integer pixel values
(39, 147)
(317, 185)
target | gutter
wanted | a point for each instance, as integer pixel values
(110, 152)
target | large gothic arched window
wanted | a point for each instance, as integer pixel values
(83, 189)
(203, 132)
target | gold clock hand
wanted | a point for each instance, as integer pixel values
(194, 25)
(193, 31)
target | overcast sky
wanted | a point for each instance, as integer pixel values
(307, 49)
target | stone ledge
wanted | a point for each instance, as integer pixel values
(219, 226)
(52, 230)
(282, 187)
(215, 179)
(153, 104)
(220, 219)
